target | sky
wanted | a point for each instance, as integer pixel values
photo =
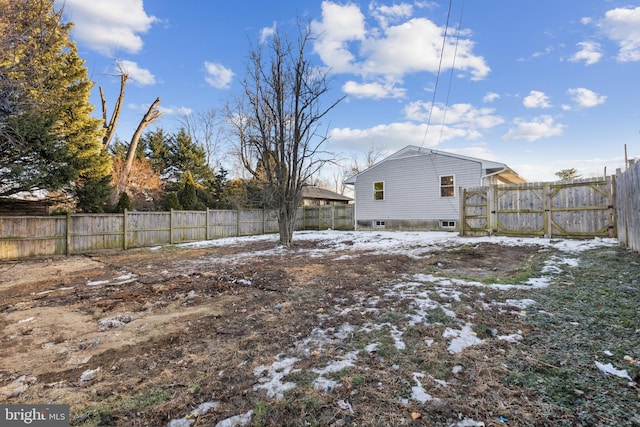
(541, 85)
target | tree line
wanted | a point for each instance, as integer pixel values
(52, 146)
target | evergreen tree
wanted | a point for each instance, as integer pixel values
(187, 194)
(48, 83)
(171, 201)
(124, 202)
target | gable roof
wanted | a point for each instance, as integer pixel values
(312, 192)
(490, 168)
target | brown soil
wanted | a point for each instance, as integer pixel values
(165, 330)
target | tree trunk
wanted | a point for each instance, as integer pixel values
(287, 223)
(110, 126)
(151, 116)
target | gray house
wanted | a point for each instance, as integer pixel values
(418, 188)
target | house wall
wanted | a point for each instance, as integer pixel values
(412, 191)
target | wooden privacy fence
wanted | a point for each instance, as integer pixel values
(628, 206)
(576, 209)
(22, 237)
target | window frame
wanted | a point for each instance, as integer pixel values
(375, 192)
(452, 186)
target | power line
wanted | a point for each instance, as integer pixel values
(435, 88)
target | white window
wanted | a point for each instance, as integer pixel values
(378, 190)
(378, 223)
(447, 186)
(447, 224)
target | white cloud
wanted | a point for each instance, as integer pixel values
(173, 110)
(622, 25)
(586, 98)
(490, 97)
(387, 14)
(392, 45)
(340, 26)
(540, 127)
(589, 53)
(536, 99)
(108, 26)
(268, 32)
(395, 136)
(141, 76)
(461, 116)
(374, 90)
(218, 76)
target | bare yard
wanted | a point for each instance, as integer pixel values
(346, 328)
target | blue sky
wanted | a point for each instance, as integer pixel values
(539, 85)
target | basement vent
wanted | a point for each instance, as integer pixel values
(378, 223)
(447, 224)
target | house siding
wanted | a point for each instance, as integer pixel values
(412, 189)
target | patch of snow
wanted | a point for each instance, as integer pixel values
(324, 385)
(468, 422)
(520, 303)
(510, 338)
(275, 372)
(396, 334)
(371, 348)
(418, 393)
(609, 369)
(339, 365)
(461, 338)
(97, 282)
(88, 375)
(457, 369)
(190, 419)
(27, 320)
(237, 420)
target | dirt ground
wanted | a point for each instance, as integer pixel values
(143, 337)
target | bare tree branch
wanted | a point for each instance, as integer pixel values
(110, 126)
(150, 116)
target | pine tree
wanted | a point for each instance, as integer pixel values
(124, 202)
(187, 194)
(42, 78)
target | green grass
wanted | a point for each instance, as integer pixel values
(593, 310)
(95, 415)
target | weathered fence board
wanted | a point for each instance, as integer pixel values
(22, 237)
(628, 206)
(581, 208)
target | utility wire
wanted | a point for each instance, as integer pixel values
(453, 68)
(435, 88)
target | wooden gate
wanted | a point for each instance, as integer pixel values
(581, 208)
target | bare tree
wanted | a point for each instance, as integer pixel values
(277, 122)
(205, 129)
(150, 116)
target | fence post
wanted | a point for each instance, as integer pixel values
(171, 227)
(68, 233)
(264, 221)
(237, 222)
(206, 224)
(462, 208)
(125, 229)
(611, 186)
(492, 209)
(548, 218)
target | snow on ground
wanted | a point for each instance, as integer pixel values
(421, 290)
